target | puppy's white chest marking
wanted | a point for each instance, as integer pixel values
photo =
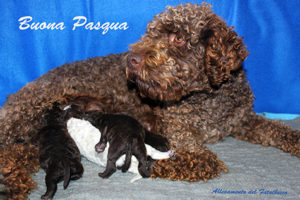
(86, 136)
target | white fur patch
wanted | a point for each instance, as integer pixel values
(87, 136)
(67, 107)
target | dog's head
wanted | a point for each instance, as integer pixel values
(80, 105)
(186, 48)
(94, 117)
(52, 115)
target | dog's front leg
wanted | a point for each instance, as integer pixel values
(114, 152)
(190, 166)
(260, 130)
(110, 169)
(51, 183)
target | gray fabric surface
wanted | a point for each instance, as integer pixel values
(251, 167)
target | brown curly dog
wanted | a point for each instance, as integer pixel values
(186, 81)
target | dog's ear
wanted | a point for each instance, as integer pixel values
(225, 50)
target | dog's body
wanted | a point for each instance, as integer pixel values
(125, 135)
(186, 81)
(86, 136)
(59, 155)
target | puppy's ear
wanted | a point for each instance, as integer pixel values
(225, 50)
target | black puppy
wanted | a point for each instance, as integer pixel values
(125, 136)
(59, 155)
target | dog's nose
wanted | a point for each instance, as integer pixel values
(135, 60)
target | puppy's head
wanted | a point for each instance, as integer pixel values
(186, 48)
(54, 114)
(85, 103)
(72, 111)
(81, 105)
(93, 117)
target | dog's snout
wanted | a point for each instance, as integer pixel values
(135, 60)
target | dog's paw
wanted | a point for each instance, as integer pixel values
(171, 153)
(103, 175)
(45, 197)
(100, 147)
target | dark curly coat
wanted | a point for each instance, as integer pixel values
(186, 82)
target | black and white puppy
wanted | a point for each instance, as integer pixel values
(59, 155)
(125, 135)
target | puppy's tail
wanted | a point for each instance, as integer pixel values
(67, 174)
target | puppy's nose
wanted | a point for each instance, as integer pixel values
(135, 60)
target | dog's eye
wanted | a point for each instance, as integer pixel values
(176, 39)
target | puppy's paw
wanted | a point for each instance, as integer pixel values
(171, 153)
(45, 197)
(103, 175)
(100, 147)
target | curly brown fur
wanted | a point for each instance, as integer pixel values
(186, 82)
(18, 162)
(271, 133)
(192, 167)
(185, 49)
(190, 58)
(91, 77)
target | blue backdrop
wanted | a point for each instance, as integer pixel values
(271, 29)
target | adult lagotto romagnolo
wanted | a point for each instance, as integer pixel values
(184, 79)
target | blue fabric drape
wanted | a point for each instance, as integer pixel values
(271, 30)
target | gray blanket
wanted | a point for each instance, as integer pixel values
(255, 172)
